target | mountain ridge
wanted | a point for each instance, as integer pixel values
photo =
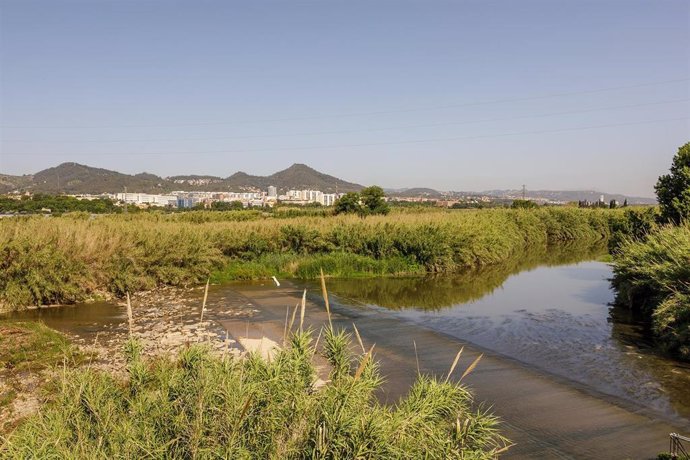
(76, 178)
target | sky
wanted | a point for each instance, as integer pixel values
(453, 95)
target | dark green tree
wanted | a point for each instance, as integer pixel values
(348, 203)
(673, 189)
(524, 204)
(373, 200)
(227, 206)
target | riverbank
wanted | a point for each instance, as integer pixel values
(77, 258)
(652, 276)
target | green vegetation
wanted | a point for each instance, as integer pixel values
(673, 189)
(28, 348)
(370, 201)
(31, 345)
(74, 258)
(524, 204)
(56, 204)
(652, 262)
(203, 406)
(653, 276)
(348, 204)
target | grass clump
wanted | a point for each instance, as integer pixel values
(28, 352)
(32, 346)
(199, 405)
(652, 275)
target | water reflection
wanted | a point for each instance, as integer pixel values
(444, 291)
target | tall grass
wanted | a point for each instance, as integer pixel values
(204, 406)
(69, 258)
(653, 276)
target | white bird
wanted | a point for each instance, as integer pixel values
(275, 280)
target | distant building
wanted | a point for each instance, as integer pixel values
(272, 192)
(187, 202)
(140, 199)
(329, 199)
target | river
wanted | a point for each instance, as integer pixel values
(550, 312)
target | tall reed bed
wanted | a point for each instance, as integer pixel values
(69, 258)
(653, 275)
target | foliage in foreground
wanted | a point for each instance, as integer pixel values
(201, 406)
(71, 258)
(653, 275)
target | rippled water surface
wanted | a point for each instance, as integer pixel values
(556, 318)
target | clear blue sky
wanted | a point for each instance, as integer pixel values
(456, 95)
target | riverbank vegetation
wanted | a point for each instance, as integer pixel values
(652, 263)
(76, 257)
(201, 405)
(652, 275)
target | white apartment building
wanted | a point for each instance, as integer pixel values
(147, 199)
(329, 199)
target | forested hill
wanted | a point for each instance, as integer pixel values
(75, 178)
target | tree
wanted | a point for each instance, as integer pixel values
(373, 200)
(227, 206)
(348, 203)
(673, 190)
(524, 204)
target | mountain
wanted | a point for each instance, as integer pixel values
(299, 176)
(416, 192)
(8, 183)
(75, 178)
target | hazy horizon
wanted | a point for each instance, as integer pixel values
(572, 95)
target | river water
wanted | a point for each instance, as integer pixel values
(549, 311)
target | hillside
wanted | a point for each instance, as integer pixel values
(75, 178)
(299, 176)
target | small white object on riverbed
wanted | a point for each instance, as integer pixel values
(275, 280)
